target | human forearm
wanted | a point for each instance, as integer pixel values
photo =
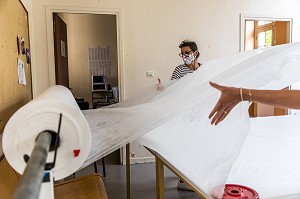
(277, 98)
(231, 96)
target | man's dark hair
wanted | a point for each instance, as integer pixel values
(190, 44)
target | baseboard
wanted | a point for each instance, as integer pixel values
(134, 160)
(142, 160)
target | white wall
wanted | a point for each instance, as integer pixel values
(152, 31)
(85, 30)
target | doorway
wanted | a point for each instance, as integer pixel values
(81, 77)
(260, 32)
(116, 13)
(86, 32)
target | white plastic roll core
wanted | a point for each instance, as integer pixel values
(42, 114)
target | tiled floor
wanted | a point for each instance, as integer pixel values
(142, 182)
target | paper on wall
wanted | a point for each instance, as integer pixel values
(21, 72)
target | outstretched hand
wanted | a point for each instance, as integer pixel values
(229, 98)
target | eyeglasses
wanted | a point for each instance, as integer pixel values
(185, 54)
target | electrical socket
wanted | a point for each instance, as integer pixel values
(150, 73)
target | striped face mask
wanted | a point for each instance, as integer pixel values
(188, 59)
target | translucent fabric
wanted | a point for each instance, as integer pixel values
(269, 160)
(174, 121)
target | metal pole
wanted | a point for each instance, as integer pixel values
(29, 186)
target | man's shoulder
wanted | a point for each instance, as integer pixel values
(181, 66)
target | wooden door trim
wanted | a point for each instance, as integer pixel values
(50, 9)
(246, 17)
(61, 56)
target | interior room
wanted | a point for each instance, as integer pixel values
(114, 61)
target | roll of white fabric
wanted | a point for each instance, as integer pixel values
(42, 114)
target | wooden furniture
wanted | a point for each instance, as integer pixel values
(102, 93)
(90, 186)
(9, 179)
(14, 26)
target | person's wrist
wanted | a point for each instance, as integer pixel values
(246, 95)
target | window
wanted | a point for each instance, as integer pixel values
(261, 33)
(264, 34)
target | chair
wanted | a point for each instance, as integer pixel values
(9, 179)
(90, 186)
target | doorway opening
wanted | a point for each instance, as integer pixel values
(85, 47)
(263, 32)
(81, 37)
(88, 35)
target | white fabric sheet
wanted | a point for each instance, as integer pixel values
(176, 119)
(270, 158)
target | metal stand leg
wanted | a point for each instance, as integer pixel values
(95, 167)
(103, 167)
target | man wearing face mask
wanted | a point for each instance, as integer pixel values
(189, 54)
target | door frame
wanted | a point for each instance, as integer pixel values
(245, 17)
(81, 10)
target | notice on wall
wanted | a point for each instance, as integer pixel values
(99, 60)
(21, 72)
